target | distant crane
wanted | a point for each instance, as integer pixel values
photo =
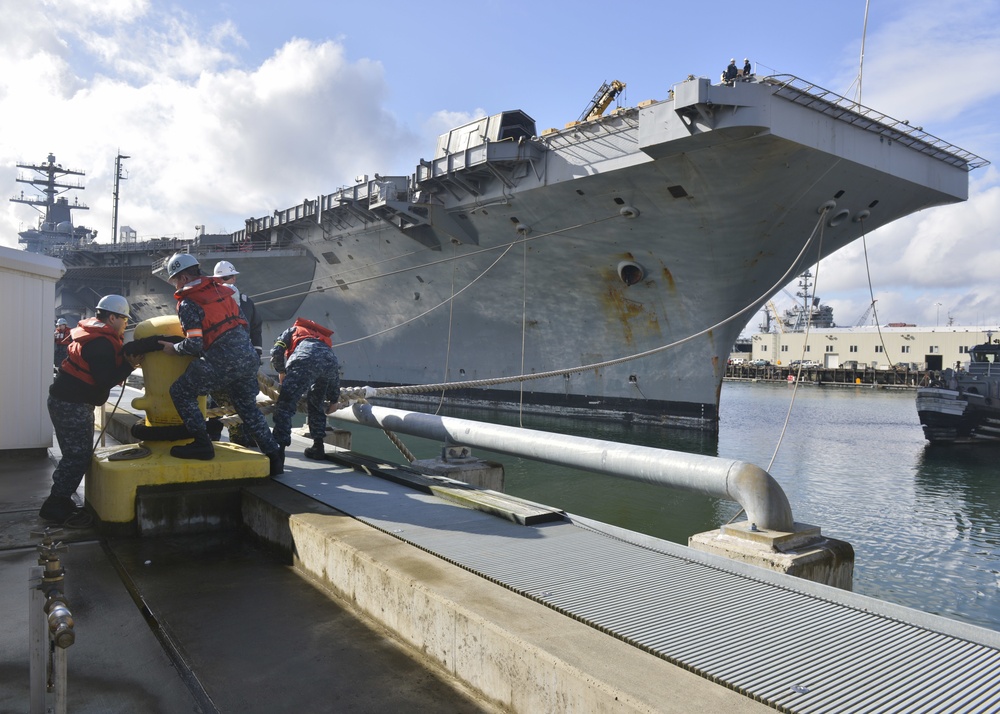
(602, 100)
(864, 318)
(777, 320)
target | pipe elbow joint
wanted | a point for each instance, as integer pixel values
(760, 496)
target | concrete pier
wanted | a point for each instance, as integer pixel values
(370, 623)
(563, 615)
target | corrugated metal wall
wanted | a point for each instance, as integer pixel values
(27, 319)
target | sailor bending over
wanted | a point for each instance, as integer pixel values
(303, 358)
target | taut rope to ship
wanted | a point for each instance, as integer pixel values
(370, 392)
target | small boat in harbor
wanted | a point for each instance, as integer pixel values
(963, 406)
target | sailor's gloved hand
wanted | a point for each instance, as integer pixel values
(134, 360)
(148, 344)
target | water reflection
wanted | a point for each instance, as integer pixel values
(957, 502)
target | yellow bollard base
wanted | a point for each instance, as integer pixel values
(155, 493)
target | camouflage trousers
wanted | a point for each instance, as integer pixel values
(237, 434)
(74, 427)
(319, 373)
(237, 377)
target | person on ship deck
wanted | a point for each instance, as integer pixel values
(61, 338)
(731, 72)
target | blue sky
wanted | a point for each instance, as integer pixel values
(230, 110)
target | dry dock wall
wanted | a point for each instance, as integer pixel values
(516, 653)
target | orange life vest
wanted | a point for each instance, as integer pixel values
(222, 313)
(86, 331)
(62, 336)
(304, 329)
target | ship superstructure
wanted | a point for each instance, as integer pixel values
(808, 311)
(55, 223)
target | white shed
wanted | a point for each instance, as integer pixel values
(27, 314)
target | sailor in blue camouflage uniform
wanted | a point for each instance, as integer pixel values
(303, 358)
(227, 272)
(216, 333)
(95, 362)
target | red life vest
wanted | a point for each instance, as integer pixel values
(222, 313)
(62, 336)
(86, 331)
(304, 329)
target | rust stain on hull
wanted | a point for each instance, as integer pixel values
(633, 316)
(668, 276)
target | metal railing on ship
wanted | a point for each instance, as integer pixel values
(811, 95)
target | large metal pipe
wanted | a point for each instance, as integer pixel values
(750, 486)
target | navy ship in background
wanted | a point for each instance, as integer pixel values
(620, 256)
(125, 265)
(55, 226)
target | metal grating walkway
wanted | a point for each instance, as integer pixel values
(792, 644)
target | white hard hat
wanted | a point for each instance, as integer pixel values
(61, 321)
(114, 303)
(223, 269)
(179, 262)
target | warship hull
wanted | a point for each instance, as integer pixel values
(620, 256)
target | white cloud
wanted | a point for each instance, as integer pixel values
(211, 146)
(444, 121)
(215, 138)
(947, 255)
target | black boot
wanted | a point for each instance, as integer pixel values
(214, 427)
(64, 511)
(57, 508)
(200, 448)
(315, 451)
(277, 460)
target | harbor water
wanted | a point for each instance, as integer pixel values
(923, 520)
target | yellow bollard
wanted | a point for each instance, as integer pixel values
(167, 504)
(159, 371)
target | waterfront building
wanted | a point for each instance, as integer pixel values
(917, 348)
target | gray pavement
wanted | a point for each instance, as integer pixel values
(207, 623)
